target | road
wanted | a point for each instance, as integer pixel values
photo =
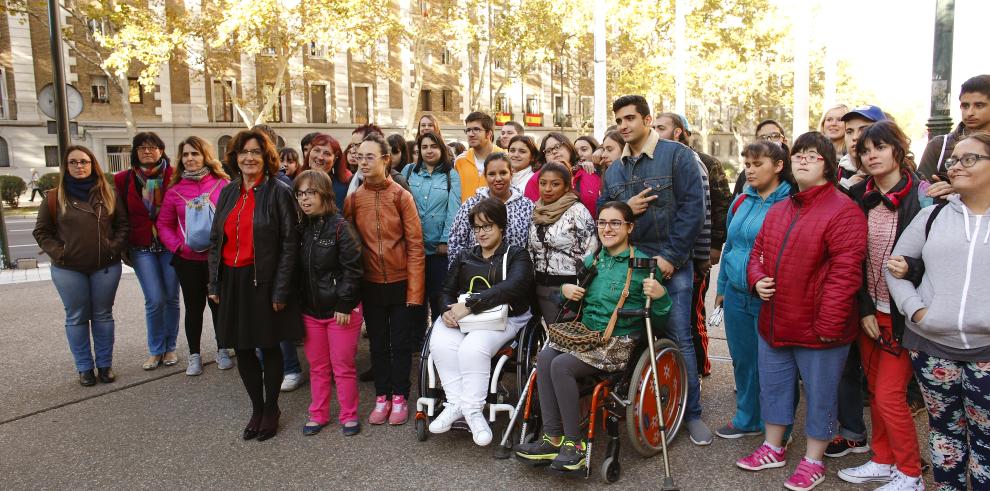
(164, 430)
(22, 243)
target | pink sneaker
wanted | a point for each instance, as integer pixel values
(400, 411)
(763, 458)
(806, 476)
(382, 408)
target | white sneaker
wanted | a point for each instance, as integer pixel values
(480, 430)
(450, 414)
(901, 482)
(223, 360)
(868, 472)
(195, 365)
(291, 382)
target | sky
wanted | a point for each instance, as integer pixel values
(888, 45)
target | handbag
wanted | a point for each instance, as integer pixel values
(574, 336)
(493, 319)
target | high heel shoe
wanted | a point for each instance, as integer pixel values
(252, 428)
(269, 426)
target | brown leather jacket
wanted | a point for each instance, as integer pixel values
(84, 237)
(391, 235)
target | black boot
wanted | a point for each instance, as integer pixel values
(106, 375)
(86, 378)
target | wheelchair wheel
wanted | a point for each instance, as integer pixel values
(642, 423)
(611, 470)
(424, 355)
(530, 343)
(421, 431)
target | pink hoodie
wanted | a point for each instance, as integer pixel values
(173, 213)
(586, 186)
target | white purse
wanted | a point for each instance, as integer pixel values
(493, 319)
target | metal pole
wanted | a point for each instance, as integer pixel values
(58, 72)
(601, 108)
(680, 57)
(5, 262)
(939, 123)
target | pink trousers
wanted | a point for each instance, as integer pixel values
(330, 349)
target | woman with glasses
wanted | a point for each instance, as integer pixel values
(556, 147)
(561, 235)
(393, 287)
(947, 316)
(330, 271)
(252, 259)
(143, 188)
(890, 198)
(82, 227)
(498, 176)
(768, 171)
(463, 361)
(806, 266)
(195, 188)
(558, 370)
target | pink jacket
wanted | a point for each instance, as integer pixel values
(173, 213)
(587, 186)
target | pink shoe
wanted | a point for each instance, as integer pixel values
(763, 458)
(400, 411)
(806, 476)
(382, 408)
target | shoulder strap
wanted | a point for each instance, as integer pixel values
(505, 261)
(408, 171)
(739, 202)
(945, 141)
(622, 299)
(50, 198)
(931, 217)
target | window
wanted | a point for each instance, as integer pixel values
(362, 104)
(716, 148)
(51, 156)
(532, 105)
(97, 27)
(317, 103)
(5, 112)
(317, 50)
(135, 93)
(118, 158)
(732, 147)
(276, 115)
(448, 100)
(267, 51)
(4, 154)
(498, 63)
(587, 107)
(425, 100)
(99, 86)
(223, 104)
(502, 104)
(446, 57)
(222, 143)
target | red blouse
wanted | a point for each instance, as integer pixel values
(238, 230)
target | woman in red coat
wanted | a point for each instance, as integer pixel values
(806, 266)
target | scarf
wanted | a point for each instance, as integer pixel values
(79, 188)
(891, 199)
(151, 182)
(545, 214)
(196, 175)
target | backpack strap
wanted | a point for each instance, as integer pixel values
(738, 202)
(931, 217)
(50, 198)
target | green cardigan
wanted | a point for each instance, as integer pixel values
(603, 294)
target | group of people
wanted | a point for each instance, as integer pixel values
(840, 260)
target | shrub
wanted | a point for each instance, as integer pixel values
(11, 188)
(48, 181)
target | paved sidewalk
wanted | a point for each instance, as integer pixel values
(42, 273)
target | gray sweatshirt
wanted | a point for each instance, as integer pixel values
(956, 284)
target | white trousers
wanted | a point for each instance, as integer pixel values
(463, 361)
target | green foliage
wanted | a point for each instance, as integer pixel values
(11, 188)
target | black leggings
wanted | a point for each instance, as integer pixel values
(556, 379)
(193, 278)
(262, 384)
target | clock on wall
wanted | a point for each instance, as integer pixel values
(46, 101)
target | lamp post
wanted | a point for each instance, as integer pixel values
(939, 122)
(58, 73)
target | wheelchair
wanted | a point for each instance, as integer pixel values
(515, 361)
(624, 398)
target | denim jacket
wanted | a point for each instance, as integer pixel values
(672, 222)
(437, 202)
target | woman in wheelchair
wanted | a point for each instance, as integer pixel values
(558, 369)
(463, 360)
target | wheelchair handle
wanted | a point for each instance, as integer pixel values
(634, 313)
(641, 262)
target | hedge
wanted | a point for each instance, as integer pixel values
(11, 189)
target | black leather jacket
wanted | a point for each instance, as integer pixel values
(329, 266)
(515, 289)
(276, 243)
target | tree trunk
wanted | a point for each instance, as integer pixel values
(276, 92)
(120, 81)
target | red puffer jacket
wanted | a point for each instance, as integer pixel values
(813, 245)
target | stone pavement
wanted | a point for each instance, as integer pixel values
(164, 430)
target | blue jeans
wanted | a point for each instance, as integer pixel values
(290, 358)
(742, 313)
(820, 369)
(680, 288)
(88, 301)
(160, 286)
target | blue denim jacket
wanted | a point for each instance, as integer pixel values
(671, 224)
(436, 206)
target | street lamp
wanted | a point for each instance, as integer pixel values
(58, 72)
(939, 123)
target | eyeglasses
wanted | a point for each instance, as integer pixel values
(483, 228)
(79, 163)
(967, 160)
(776, 137)
(468, 131)
(367, 157)
(309, 193)
(254, 152)
(807, 158)
(147, 148)
(612, 224)
(553, 149)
